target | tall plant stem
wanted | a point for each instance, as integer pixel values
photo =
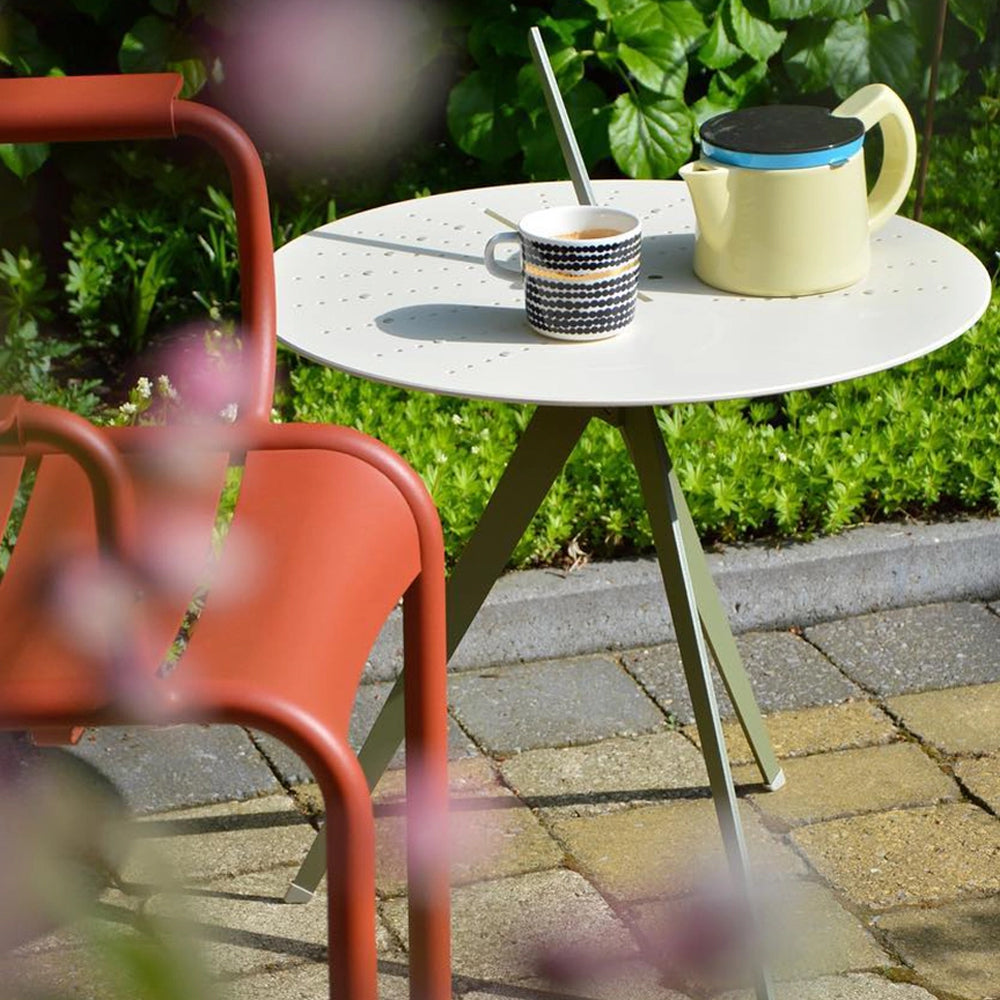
(925, 149)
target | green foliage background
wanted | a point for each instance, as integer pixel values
(639, 76)
(106, 246)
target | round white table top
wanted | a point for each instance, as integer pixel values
(399, 294)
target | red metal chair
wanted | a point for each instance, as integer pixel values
(330, 530)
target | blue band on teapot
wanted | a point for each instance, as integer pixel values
(783, 161)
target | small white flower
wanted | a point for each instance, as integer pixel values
(164, 388)
(456, 418)
(228, 412)
(475, 449)
(128, 409)
(144, 387)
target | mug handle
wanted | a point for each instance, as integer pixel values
(880, 105)
(498, 270)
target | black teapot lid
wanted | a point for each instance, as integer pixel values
(790, 135)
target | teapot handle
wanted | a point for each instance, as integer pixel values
(880, 105)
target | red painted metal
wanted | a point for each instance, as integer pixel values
(330, 530)
(85, 108)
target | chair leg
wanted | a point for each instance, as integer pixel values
(349, 830)
(350, 843)
(56, 736)
(427, 790)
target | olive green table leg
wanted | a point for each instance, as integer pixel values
(539, 457)
(723, 646)
(652, 463)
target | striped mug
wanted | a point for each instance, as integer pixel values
(580, 266)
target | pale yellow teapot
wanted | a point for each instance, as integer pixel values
(780, 195)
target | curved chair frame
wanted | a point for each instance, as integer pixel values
(146, 106)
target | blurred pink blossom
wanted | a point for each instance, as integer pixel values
(330, 78)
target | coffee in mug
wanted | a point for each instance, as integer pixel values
(589, 234)
(580, 267)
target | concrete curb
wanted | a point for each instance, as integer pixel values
(543, 614)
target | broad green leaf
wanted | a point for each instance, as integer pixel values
(893, 54)
(846, 49)
(804, 56)
(718, 50)
(921, 18)
(566, 29)
(794, 10)
(641, 9)
(711, 105)
(741, 83)
(23, 50)
(898, 10)
(589, 113)
(867, 50)
(719, 93)
(567, 67)
(632, 18)
(606, 49)
(650, 135)
(837, 9)
(146, 47)
(193, 71)
(951, 76)
(481, 124)
(683, 19)
(490, 37)
(23, 158)
(753, 34)
(974, 14)
(603, 8)
(658, 61)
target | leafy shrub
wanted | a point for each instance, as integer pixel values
(639, 75)
(922, 439)
(32, 363)
(963, 183)
(74, 37)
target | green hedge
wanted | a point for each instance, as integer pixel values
(144, 242)
(923, 439)
(920, 440)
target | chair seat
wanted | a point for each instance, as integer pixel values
(335, 533)
(341, 540)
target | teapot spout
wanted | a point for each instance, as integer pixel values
(708, 184)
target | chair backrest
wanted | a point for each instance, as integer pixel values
(69, 508)
(146, 106)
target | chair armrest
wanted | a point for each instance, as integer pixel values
(27, 428)
(67, 108)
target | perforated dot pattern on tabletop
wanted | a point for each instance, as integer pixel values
(400, 294)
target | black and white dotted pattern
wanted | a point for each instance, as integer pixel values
(580, 256)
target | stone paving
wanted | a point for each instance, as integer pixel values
(586, 842)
